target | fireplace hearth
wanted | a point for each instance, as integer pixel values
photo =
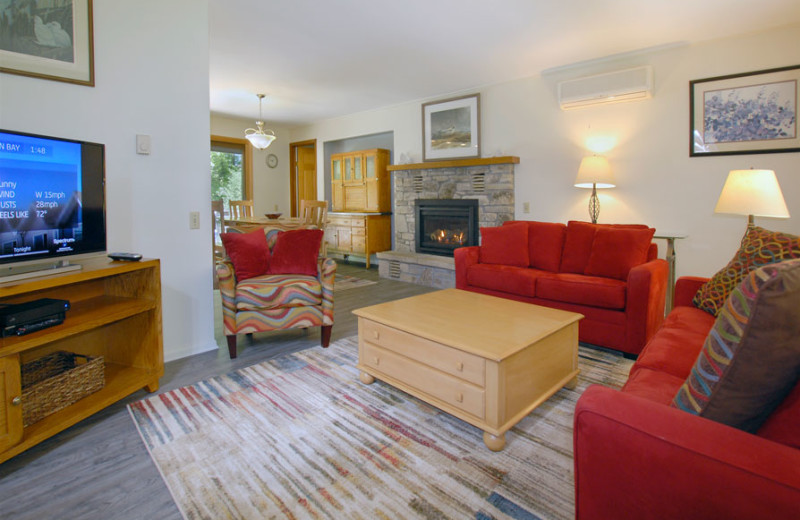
(443, 225)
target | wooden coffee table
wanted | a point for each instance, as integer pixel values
(486, 360)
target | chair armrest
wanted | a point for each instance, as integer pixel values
(644, 305)
(464, 257)
(227, 278)
(635, 458)
(685, 289)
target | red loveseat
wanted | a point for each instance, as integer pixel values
(608, 273)
(637, 457)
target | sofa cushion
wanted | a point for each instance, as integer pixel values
(784, 424)
(616, 250)
(578, 243)
(278, 290)
(581, 289)
(652, 385)
(759, 247)
(505, 245)
(296, 252)
(545, 243)
(577, 246)
(504, 278)
(248, 252)
(751, 358)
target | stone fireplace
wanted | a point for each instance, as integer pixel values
(489, 182)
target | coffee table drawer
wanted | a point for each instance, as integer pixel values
(451, 390)
(454, 362)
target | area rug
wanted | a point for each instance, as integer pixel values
(300, 437)
(343, 282)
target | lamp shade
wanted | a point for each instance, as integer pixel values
(595, 171)
(752, 192)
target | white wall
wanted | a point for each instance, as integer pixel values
(151, 77)
(270, 185)
(658, 183)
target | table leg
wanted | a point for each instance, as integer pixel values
(494, 442)
(670, 257)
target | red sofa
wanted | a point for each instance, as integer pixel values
(637, 457)
(608, 273)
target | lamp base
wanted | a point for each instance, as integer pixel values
(594, 205)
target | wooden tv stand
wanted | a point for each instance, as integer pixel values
(115, 313)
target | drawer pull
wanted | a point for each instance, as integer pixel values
(460, 366)
(377, 361)
(459, 397)
(376, 334)
(16, 401)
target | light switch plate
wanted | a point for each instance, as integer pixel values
(143, 144)
(194, 220)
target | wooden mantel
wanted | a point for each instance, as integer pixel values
(456, 163)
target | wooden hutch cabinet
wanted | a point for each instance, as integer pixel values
(360, 222)
(360, 181)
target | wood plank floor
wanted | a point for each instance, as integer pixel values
(100, 469)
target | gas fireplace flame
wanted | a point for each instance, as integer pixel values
(448, 237)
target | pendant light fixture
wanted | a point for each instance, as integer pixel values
(257, 136)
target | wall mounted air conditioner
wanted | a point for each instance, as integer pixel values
(611, 87)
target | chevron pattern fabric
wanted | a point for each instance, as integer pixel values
(751, 357)
(759, 247)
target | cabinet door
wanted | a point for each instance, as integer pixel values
(336, 169)
(358, 165)
(348, 169)
(10, 404)
(370, 167)
(337, 195)
(372, 195)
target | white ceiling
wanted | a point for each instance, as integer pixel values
(317, 59)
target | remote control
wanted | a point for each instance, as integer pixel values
(130, 257)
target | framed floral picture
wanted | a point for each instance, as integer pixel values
(48, 40)
(451, 128)
(749, 113)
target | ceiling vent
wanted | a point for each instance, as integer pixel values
(612, 87)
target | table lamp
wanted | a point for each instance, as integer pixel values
(752, 193)
(594, 172)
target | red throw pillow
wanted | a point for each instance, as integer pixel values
(505, 245)
(616, 250)
(248, 252)
(296, 252)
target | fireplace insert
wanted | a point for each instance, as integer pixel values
(442, 225)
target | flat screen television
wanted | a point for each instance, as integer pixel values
(52, 202)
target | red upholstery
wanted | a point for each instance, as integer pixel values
(505, 245)
(618, 313)
(636, 457)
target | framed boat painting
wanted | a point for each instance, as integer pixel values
(48, 40)
(749, 113)
(451, 129)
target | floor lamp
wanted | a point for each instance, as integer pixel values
(594, 172)
(755, 193)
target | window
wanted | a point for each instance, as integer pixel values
(231, 173)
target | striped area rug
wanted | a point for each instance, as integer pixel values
(301, 437)
(342, 282)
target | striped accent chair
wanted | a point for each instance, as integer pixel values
(276, 301)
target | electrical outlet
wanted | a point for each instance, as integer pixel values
(526, 207)
(276, 207)
(194, 220)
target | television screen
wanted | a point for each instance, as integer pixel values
(52, 197)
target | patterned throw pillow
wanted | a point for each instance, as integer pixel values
(759, 247)
(750, 360)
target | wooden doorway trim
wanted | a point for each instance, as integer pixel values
(293, 173)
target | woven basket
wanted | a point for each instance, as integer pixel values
(57, 380)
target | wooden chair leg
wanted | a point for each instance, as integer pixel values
(326, 335)
(231, 346)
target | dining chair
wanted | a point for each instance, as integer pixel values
(241, 209)
(315, 213)
(217, 228)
